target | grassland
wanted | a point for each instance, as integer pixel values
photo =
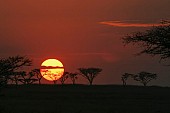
(84, 99)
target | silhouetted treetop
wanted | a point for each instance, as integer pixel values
(73, 77)
(90, 73)
(64, 77)
(144, 77)
(9, 67)
(36, 72)
(125, 77)
(155, 41)
(19, 61)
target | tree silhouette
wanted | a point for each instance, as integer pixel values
(155, 41)
(73, 77)
(11, 66)
(28, 78)
(64, 77)
(2, 81)
(16, 76)
(90, 73)
(124, 77)
(144, 77)
(38, 75)
(51, 75)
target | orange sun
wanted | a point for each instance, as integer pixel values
(52, 69)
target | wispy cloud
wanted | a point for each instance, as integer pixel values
(128, 24)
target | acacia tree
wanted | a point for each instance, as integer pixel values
(28, 78)
(144, 77)
(90, 73)
(5, 71)
(155, 41)
(36, 72)
(125, 77)
(73, 77)
(10, 66)
(53, 77)
(16, 76)
(64, 77)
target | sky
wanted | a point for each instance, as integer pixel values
(83, 33)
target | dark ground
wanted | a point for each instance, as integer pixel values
(84, 99)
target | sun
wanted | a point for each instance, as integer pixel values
(52, 69)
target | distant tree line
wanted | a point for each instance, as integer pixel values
(88, 73)
(142, 77)
(12, 72)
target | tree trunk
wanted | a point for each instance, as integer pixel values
(62, 82)
(91, 82)
(55, 81)
(39, 81)
(16, 80)
(124, 83)
(73, 82)
(144, 84)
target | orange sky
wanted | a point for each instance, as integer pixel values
(71, 31)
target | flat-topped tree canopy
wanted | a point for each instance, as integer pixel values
(90, 73)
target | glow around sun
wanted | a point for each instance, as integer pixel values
(52, 69)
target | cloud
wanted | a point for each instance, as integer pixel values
(128, 24)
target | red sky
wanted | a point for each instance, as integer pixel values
(82, 34)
